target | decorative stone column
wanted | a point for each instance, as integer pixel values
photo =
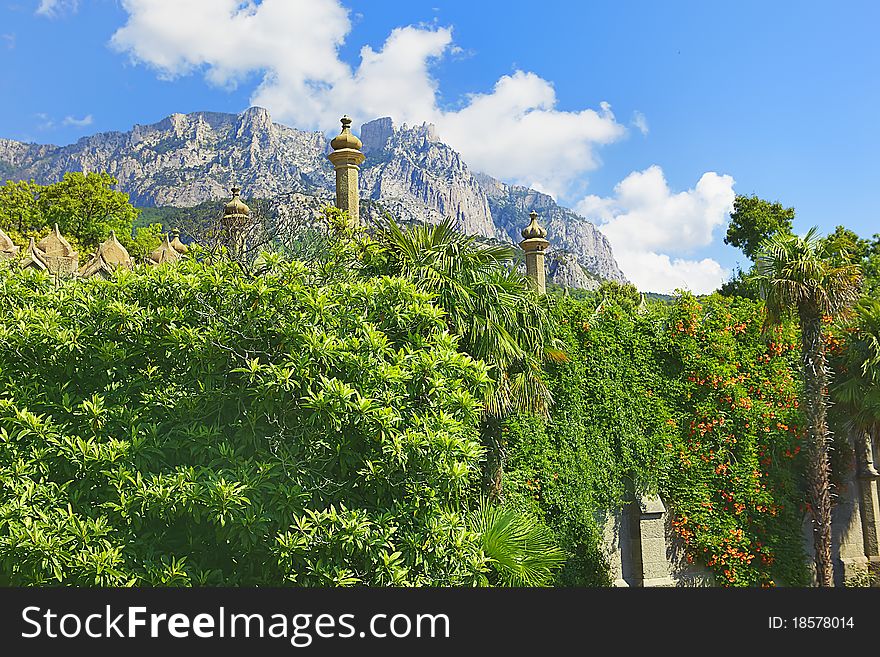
(236, 221)
(347, 157)
(534, 246)
(869, 503)
(652, 542)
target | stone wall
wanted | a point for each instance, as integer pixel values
(855, 520)
(642, 550)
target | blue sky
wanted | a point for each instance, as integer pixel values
(646, 116)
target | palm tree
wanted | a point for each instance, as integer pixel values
(487, 303)
(492, 307)
(857, 390)
(805, 275)
(520, 549)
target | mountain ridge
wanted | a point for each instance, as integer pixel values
(186, 159)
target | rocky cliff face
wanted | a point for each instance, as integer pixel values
(187, 159)
(576, 238)
(416, 176)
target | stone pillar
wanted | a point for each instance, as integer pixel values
(347, 157)
(617, 544)
(534, 245)
(652, 542)
(854, 522)
(236, 222)
(869, 504)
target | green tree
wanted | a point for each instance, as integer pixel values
(753, 220)
(86, 207)
(199, 425)
(809, 277)
(847, 244)
(487, 303)
(625, 296)
(871, 268)
(20, 208)
(190, 424)
(144, 241)
(857, 389)
(500, 319)
(741, 284)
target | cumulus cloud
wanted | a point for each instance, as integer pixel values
(515, 131)
(640, 122)
(650, 228)
(78, 123)
(53, 8)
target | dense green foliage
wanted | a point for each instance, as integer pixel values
(689, 399)
(191, 425)
(856, 361)
(734, 481)
(813, 279)
(85, 206)
(753, 220)
(324, 415)
(599, 445)
(501, 321)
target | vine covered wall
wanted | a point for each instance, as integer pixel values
(690, 399)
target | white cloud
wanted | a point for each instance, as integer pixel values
(640, 122)
(9, 40)
(53, 8)
(79, 123)
(514, 132)
(646, 222)
(657, 272)
(46, 121)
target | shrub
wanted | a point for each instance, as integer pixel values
(192, 425)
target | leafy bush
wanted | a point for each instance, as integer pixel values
(190, 425)
(605, 439)
(735, 481)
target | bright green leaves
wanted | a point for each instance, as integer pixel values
(522, 551)
(354, 549)
(85, 206)
(193, 425)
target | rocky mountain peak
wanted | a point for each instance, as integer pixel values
(376, 133)
(255, 121)
(186, 159)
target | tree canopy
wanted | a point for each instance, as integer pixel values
(814, 279)
(86, 207)
(753, 220)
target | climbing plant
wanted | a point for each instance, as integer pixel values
(690, 399)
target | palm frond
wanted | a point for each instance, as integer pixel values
(487, 302)
(796, 274)
(857, 390)
(520, 549)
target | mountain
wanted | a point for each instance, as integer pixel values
(187, 159)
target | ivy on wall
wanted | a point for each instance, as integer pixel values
(689, 399)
